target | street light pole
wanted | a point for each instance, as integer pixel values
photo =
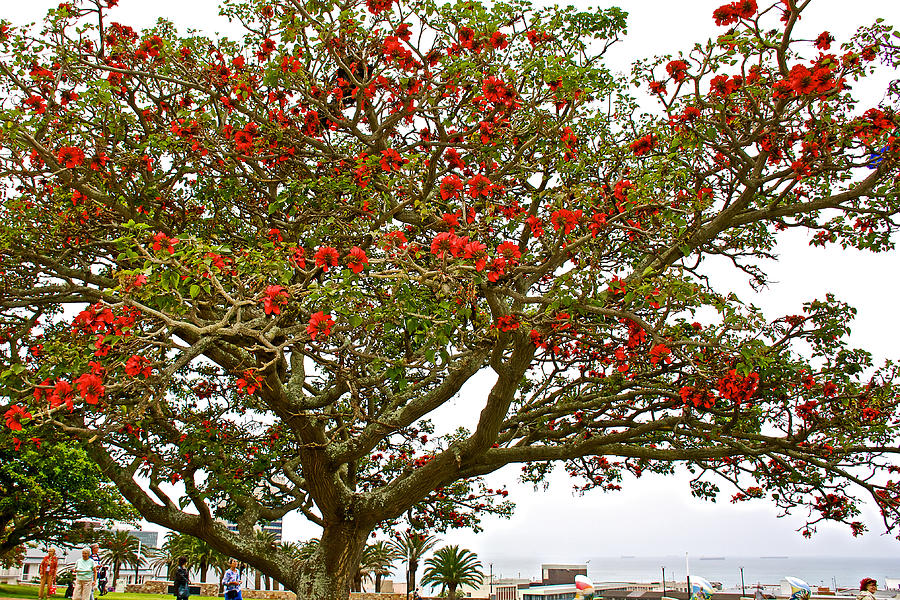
(491, 583)
(664, 581)
(743, 591)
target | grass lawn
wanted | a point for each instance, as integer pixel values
(31, 591)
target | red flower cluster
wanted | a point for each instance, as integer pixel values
(90, 386)
(319, 324)
(730, 13)
(162, 241)
(70, 157)
(508, 323)
(357, 259)
(249, 383)
(677, 69)
(451, 187)
(737, 388)
(565, 219)
(14, 417)
(643, 145)
(696, 397)
(391, 160)
(137, 365)
(274, 298)
(660, 353)
(326, 257)
(497, 92)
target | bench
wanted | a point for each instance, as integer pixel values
(193, 590)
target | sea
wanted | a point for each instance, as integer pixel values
(825, 571)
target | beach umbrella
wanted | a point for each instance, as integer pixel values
(701, 589)
(800, 590)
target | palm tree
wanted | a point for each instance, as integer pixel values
(271, 540)
(204, 556)
(168, 554)
(120, 548)
(411, 546)
(379, 558)
(451, 567)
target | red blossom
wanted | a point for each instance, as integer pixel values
(137, 365)
(509, 252)
(326, 257)
(90, 387)
(565, 219)
(508, 323)
(391, 160)
(14, 417)
(319, 324)
(643, 145)
(823, 42)
(738, 388)
(249, 383)
(357, 259)
(677, 69)
(70, 157)
(274, 298)
(443, 243)
(479, 185)
(162, 241)
(451, 187)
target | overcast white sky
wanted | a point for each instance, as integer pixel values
(655, 515)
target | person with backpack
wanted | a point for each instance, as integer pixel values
(182, 582)
(102, 580)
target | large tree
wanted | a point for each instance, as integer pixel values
(253, 269)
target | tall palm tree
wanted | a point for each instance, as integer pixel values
(451, 567)
(205, 556)
(270, 540)
(412, 546)
(174, 547)
(120, 548)
(380, 561)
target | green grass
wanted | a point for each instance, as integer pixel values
(31, 591)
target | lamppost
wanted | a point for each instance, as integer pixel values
(743, 591)
(663, 581)
(491, 582)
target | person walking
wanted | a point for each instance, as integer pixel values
(232, 581)
(102, 580)
(867, 589)
(85, 576)
(95, 556)
(182, 583)
(48, 574)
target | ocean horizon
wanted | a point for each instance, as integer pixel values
(825, 571)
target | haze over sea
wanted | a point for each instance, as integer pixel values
(815, 570)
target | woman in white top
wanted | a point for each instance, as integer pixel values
(85, 575)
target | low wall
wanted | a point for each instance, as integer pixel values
(212, 589)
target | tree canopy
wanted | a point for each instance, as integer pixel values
(245, 273)
(47, 488)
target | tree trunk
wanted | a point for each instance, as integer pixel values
(451, 591)
(257, 580)
(116, 573)
(331, 571)
(266, 581)
(377, 583)
(411, 578)
(203, 569)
